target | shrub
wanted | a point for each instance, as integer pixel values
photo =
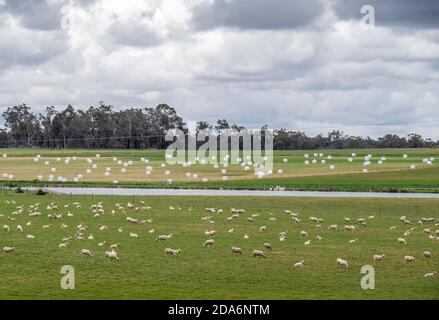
(19, 190)
(41, 192)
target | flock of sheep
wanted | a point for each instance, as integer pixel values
(82, 232)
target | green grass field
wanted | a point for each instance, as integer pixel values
(144, 272)
(393, 175)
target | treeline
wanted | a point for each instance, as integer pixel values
(102, 127)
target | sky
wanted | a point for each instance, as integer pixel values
(309, 65)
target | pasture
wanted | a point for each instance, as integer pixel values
(143, 271)
(386, 170)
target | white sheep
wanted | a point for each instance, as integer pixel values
(86, 253)
(409, 259)
(333, 227)
(304, 234)
(299, 264)
(258, 253)
(430, 275)
(342, 263)
(6, 228)
(402, 241)
(427, 254)
(208, 243)
(19, 228)
(8, 249)
(355, 241)
(111, 255)
(236, 250)
(378, 257)
(163, 237)
(211, 233)
(268, 246)
(172, 252)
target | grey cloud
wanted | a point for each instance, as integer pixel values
(38, 14)
(257, 14)
(398, 13)
(133, 34)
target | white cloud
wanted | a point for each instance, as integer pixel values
(325, 73)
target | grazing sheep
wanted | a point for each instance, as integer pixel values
(427, 254)
(211, 233)
(409, 259)
(307, 243)
(349, 228)
(133, 235)
(283, 234)
(304, 234)
(111, 255)
(6, 228)
(313, 220)
(299, 264)
(63, 245)
(251, 220)
(342, 263)
(430, 275)
(402, 241)
(86, 253)
(333, 227)
(163, 237)
(29, 236)
(268, 246)
(208, 243)
(318, 238)
(8, 249)
(19, 228)
(258, 253)
(355, 241)
(172, 252)
(66, 239)
(131, 220)
(263, 229)
(378, 257)
(246, 236)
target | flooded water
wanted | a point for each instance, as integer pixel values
(236, 193)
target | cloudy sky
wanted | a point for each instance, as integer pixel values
(312, 65)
